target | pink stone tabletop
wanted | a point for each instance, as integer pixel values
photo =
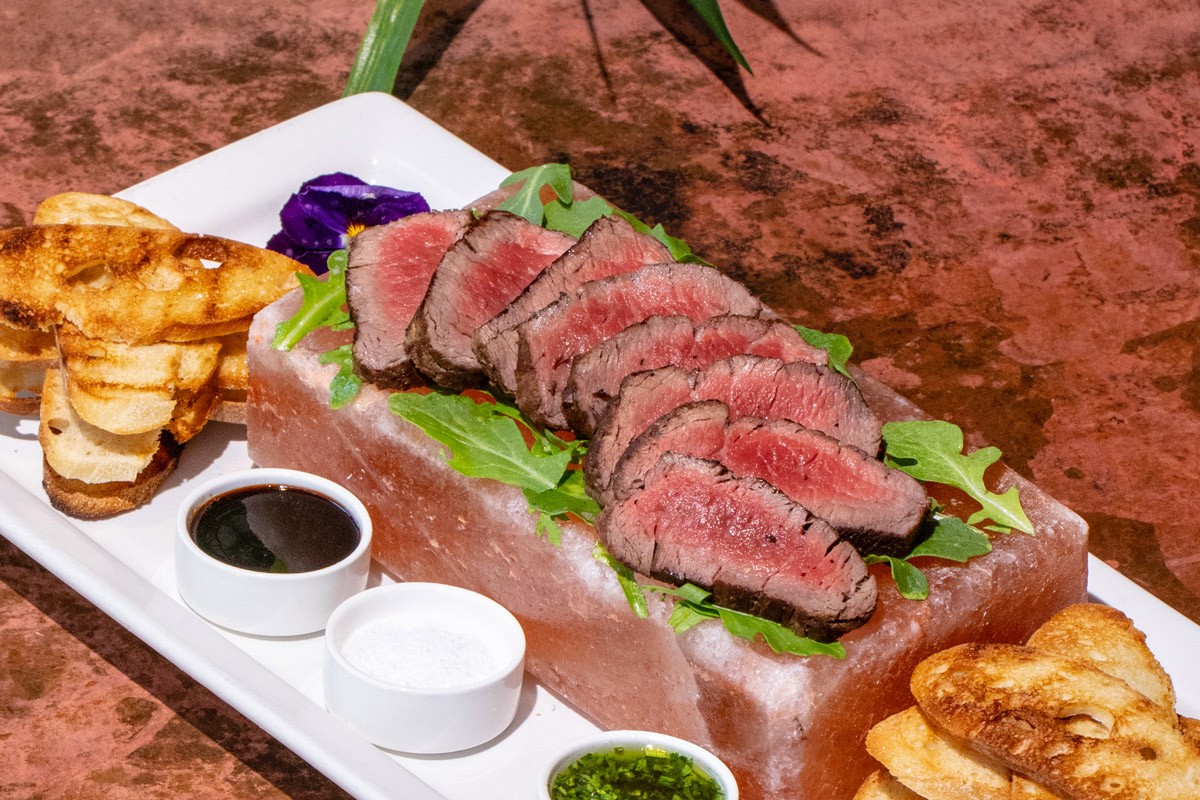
(999, 203)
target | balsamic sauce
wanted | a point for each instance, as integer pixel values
(274, 528)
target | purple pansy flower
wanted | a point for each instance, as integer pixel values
(328, 210)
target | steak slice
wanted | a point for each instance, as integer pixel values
(596, 375)
(874, 507)
(389, 271)
(476, 279)
(751, 386)
(746, 542)
(610, 246)
(598, 310)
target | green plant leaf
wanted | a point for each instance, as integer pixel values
(910, 581)
(677, 247)
(527, 201)
(323, 305)
(710, 12)
(695, 606)
(952, 539)
(932, 450)
(382, 49)
(837, 346)
(627, 580)
(345, 384)
(574, 218)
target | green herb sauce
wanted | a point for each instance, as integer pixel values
(634, 774)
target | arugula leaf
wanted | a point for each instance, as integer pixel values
(626, 578)
(931, 450)
(910, 581)
(527, 202)
(695, 606)
(485, 442)
(677, 247)
(952, 539)
(573, 218)
(837, 346)
(383, 45)
(323, 305)
(345, 385)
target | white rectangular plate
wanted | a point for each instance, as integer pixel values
(124, 565)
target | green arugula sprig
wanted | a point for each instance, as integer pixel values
(932, 450)
(837, 346)
(562, 212)
(485, 441)
(949, 538)
(324, 305)
(345, 384)
(693, 606)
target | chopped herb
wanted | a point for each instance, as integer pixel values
(932, 450)
(627, 773)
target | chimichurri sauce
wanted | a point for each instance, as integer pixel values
(273, 528)
(634, 774)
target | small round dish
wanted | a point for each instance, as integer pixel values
(273, 603)
(635, 741)
(424, 667)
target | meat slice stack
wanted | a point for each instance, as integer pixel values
(725, 451)
(477, 278)
(757, 551)
(389, 270)
(610, 246)
(549, 340)
(875, 508)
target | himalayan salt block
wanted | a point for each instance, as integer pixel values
(788, 727)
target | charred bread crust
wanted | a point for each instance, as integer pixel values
(100, 500)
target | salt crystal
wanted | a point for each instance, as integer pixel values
(418, 655)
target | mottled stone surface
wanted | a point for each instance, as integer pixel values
(999, 203)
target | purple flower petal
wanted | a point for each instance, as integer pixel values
(318, 216)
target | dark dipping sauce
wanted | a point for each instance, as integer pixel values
(274, 528)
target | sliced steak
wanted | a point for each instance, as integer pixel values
(476, 279)
(388, 274)
(815, 397)
(596, 375)
(610, 246)
(599, 310)
(745, 541)
(874, 507)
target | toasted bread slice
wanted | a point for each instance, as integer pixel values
(21, 386)
(98, 500)
(136, 285)
(931, 765)
(1105, 638)
(78, 450)
(82, 208)
(1079, 731)
(881, 786)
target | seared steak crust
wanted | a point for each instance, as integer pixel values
(755, 549)
(476, 279)
(610, 246)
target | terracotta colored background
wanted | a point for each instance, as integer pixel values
(997, 202)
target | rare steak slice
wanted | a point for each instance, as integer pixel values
(596, 311)
(874, 507)
(751, 386)
(596, 375)
(755, 549)
(610, 246)
(476, 279)
(389, 271)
